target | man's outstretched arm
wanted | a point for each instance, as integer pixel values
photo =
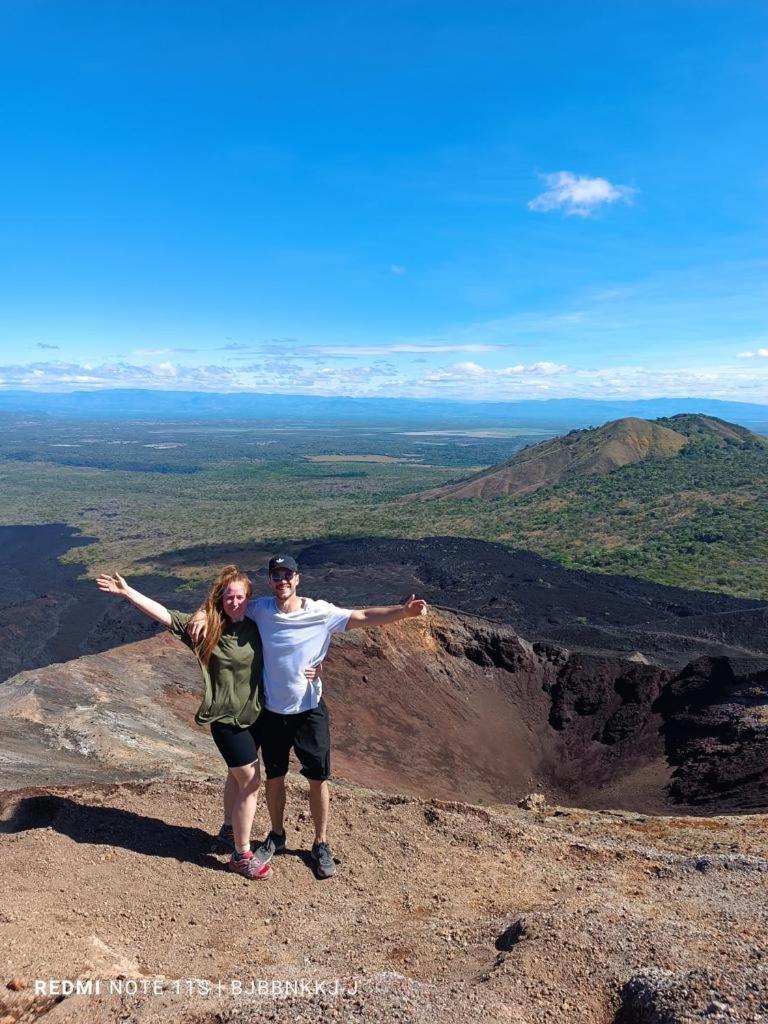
(361, 618)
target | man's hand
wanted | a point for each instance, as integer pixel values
(196, 627)
(364, 618)
(114, 584)
(414, 607)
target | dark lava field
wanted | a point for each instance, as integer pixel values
(538, 598)
(50, 615)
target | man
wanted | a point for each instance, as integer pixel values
(296, 632)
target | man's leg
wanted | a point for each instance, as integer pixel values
(313, 749)
(275, 792)
(276, 738)
(318, 805)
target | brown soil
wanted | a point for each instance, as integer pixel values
(439, 912)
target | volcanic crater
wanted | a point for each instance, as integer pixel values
(629, 887)
(484, 701)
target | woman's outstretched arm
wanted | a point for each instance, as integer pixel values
(115, 584)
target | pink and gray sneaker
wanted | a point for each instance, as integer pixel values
(247, 865)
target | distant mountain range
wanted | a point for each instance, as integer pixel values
(598, 452)
(561, 413)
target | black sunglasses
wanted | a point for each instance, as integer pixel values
(287, 574)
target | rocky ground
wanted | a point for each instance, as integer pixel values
(47, 613)
(440, 911)
(451, 903)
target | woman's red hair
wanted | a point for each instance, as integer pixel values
(214, 610)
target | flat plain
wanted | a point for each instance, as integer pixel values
(143, 489)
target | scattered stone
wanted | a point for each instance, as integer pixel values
(533, 802)
(658, 996)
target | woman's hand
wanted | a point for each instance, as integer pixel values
(114, 584)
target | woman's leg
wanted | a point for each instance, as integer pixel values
(239, 747)
(230, 793)
(248, 779)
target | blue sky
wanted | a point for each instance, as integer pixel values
(474, 200)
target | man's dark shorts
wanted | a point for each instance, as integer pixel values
(238, 746)
(308, 733)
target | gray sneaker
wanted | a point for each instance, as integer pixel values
(273, 844)
(325, 866)
(224, 842)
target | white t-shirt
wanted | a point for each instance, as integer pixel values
(293, 641)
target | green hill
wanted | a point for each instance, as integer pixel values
(597, 452)
(695, 517)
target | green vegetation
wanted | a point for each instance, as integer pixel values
(698, 520)
(188, 447)
(137, 517)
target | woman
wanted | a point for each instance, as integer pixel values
(230, 659)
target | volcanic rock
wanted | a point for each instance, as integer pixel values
(454, 707)
(540, 599)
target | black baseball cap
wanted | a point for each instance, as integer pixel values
(282, 562)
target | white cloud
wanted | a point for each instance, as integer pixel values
(543, 369)
(384, 350)
(471, 369)
(65, 376)
(397, 268)
(148, 353)
(463, 374)
(460, 380)
(760, 353)
(577, 195)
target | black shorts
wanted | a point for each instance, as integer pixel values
(238, 746)
(308, 733)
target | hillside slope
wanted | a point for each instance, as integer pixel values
(597, 451)
(695, 519)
